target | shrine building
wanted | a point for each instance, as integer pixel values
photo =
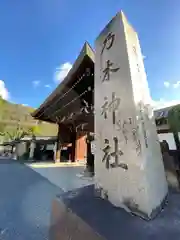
(70, 106)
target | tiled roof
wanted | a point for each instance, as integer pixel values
(163, 112)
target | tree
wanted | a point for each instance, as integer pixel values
(20, 132)
(2, 125)
(2, 129)
(2, 101)
(33, 130)
(2, 104)
(174, 123)
(15, 134)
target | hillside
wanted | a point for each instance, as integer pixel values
(14, 115)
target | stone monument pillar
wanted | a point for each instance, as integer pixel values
(129, 171)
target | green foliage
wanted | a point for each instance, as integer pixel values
(15, 134)
(2, 128)
(20, 132)
(33, 131)
(174, 118)
(16, 121)
(2, 101)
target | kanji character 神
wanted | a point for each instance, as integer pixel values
(112, 106)
(105, 108)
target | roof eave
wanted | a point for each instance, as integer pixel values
(86, 51)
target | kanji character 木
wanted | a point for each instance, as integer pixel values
(108, 69)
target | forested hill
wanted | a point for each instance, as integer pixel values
(17, 116)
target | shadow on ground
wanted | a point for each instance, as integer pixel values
(114, 223)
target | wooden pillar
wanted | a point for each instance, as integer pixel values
(73, 155)
(81, 147)
(90, 153)
(57, 152)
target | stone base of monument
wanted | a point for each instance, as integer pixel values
(79, 214)
(132, 208)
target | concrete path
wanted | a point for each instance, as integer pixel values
(26, 198)
(65, 176)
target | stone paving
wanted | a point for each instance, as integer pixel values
(113, 223)
(25, 201)
(65, 176)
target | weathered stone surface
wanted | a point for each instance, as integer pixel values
(128, 162)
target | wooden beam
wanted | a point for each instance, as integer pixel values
(86, 52)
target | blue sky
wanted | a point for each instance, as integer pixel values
(40, 39)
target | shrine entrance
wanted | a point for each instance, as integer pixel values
(90, 153)
(70, 106)
(66, 153)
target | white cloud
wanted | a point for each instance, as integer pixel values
(36, 83)
(162, 103)
(177, 84)
(3, 90)
(47, 86)
(62, 71)
(167, 84)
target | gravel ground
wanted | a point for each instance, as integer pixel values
(25, 202)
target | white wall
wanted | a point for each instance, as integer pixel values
(169, 138)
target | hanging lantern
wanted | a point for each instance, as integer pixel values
(88, 72)
(89, 88)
